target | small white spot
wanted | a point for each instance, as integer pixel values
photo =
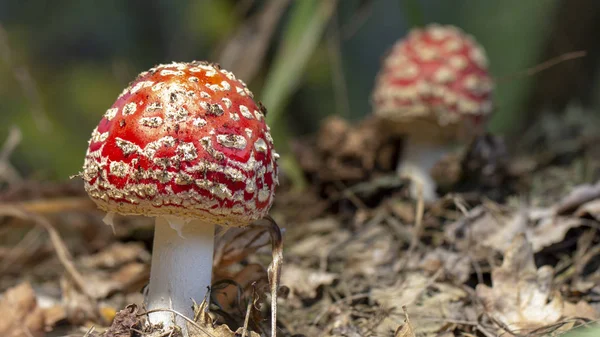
(269, 137)
(98, 137)
(158, 86)
(199, 122)
(458, 62)
(214, 87)
(129, 109)
(240, 91)
(260, 145)
(210, 73)
(228, 74)
(478, 56)
(245, 112)
(140, 85)
(250, 186)
(119, 169)
(187, 151)
(151, 122)
(444, 75)
(215, 110)
(167, 72)
(225, 85)
(248, 132)
(179, 115)
(437, 32)
(232, 141)
(227, 102)
(126, 146)
(204, 94)
(258, 114)
(193, 79)
(110, 113)
(263, 194)
(452, 46)
(234, 116)
(153, 107)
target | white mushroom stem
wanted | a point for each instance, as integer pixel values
(182, 260)
(416, 163)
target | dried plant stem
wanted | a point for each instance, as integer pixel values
(275, 267)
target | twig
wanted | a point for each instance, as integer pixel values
(274, 270)
(89, 332)
(45, 206)
(544, 65)
(247, 317)
(7, 172)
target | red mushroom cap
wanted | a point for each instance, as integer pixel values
(184, 139)
(437, 73)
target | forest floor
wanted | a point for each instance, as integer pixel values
(511, 249)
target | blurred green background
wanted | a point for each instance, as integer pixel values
(63, 63)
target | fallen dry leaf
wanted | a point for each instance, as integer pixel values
(578, 196)
(376, 246)
(483, 230)
(580, 310)
(456, 266)
(21, 316)
(116, 255)
(591, 208)
(431, 304)
(125, 320)
(406, 329)
(304, 282)
(520, 296)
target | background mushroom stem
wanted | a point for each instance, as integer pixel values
(181, 270)
(416, 162)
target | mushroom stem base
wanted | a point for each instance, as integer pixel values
(416, 163)
(181, 268)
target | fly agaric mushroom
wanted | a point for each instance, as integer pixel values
(187, 144)
(434, 89)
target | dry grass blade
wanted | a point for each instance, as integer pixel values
(544, 65)
(7, 172)
(275, 267)
(60, 248)
(248, 311)
(308, 21)
(53, 206)
(244, 53)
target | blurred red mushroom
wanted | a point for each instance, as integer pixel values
(433, 88)
(185, 143)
